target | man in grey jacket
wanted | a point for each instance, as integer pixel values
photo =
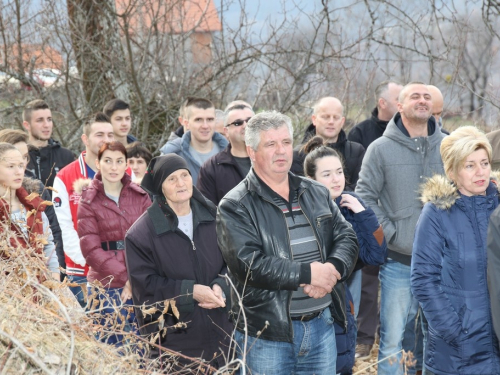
(393, 168)
(200, 141)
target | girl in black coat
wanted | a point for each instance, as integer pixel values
(172, 255)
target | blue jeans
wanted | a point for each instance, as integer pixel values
(425, 333)
(109, 311)
(413, 341)
(313, 350)
(398, 307)
(79, 291)
(354, 285)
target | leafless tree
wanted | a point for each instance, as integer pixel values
(155, 53)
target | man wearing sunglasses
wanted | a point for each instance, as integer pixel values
(225, 170)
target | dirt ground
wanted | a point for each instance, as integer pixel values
(367, 366)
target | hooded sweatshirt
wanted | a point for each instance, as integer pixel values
(393, 168)
(46, 162)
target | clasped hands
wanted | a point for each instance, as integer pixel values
(209, 298)
(324, 276)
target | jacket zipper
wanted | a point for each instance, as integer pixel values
(318, 223)
(117, 205)
(312, 227)
(291, 255)
(341, 308)
(318, 220)
(320, 253)
(198, 272)
(38, 158)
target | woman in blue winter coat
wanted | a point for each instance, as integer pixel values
(324, 165)
(448, 270)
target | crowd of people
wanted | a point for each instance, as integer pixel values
(234, 244)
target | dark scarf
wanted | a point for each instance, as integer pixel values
(158, 170)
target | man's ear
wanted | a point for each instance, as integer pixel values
(251, 153)
(343, 122)
(27, 126)
(181, 120)
(382, 103)
(400, 107)
(313, 119)
(84, 139)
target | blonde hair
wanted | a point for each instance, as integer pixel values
(456, 147)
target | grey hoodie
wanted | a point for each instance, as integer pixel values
(393, 169)
(180, 146)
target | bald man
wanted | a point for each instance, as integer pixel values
(327, 121)
(437, 106)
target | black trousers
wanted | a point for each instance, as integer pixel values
(369, 312)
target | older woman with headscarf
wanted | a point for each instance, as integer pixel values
(172, 255)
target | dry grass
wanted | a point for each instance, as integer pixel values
(369, 365)
(43, 330)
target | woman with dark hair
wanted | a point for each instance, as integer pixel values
(174, 264)
(448, 264)
(324, 165)
(109, 205)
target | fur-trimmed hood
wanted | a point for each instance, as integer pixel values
(80, 184)
(32, 185)
(441, 192)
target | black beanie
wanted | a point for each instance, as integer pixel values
(159, 169)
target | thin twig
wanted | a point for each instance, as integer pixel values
(33, 359)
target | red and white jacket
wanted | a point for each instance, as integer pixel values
(66, 200)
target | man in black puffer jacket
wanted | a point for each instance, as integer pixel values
(47, 156)
(286, 245)
(327, 122)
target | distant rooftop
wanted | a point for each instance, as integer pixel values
(172, 16)
(34, 56)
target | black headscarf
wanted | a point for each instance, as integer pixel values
(159, 169)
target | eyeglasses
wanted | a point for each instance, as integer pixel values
(239, 122)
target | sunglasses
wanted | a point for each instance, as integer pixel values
(239, 122)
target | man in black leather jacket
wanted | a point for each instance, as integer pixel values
(286, 246)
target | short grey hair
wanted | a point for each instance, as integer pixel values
(382, 89)
(265, 121)
(403, 94)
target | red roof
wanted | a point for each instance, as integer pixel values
(171, 16)
(34, 55)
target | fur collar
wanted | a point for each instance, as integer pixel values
(81, 183)
(441, 192)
